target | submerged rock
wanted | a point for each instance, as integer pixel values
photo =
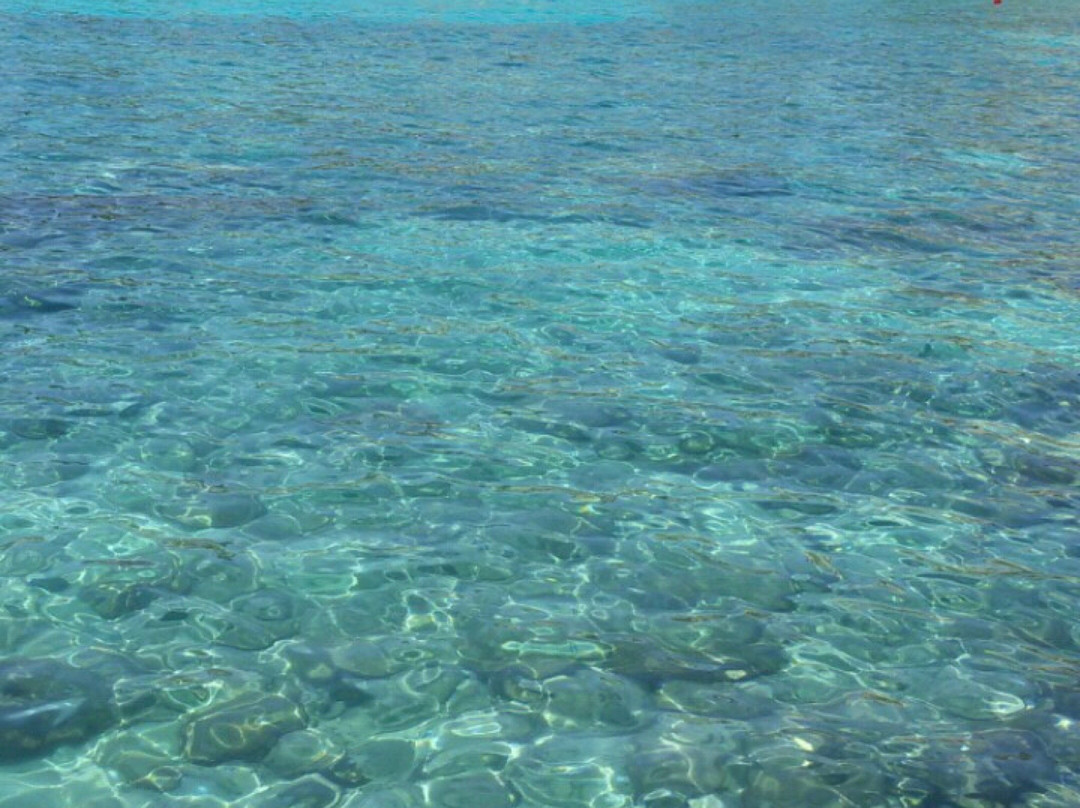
(214, 510)
(45, 703)
(347, 772)
(210, 574)
(262, 618)
(116, 599)
(307, 792)
(999, 766)
(567, 771)
(380, 759)
(303, 752)
(241, 730)
(593, 699)
(650, 663)
(314, 666)
(140, 762)
(465, 791)
(39, 428)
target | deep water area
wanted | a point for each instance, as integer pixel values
(539, 404)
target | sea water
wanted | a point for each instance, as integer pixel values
(555, 404)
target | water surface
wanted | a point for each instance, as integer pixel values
(650, 405)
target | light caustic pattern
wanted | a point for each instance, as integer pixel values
(656, 406)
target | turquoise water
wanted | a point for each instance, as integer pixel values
(556, 405)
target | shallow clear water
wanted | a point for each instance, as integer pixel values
(650, 405)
